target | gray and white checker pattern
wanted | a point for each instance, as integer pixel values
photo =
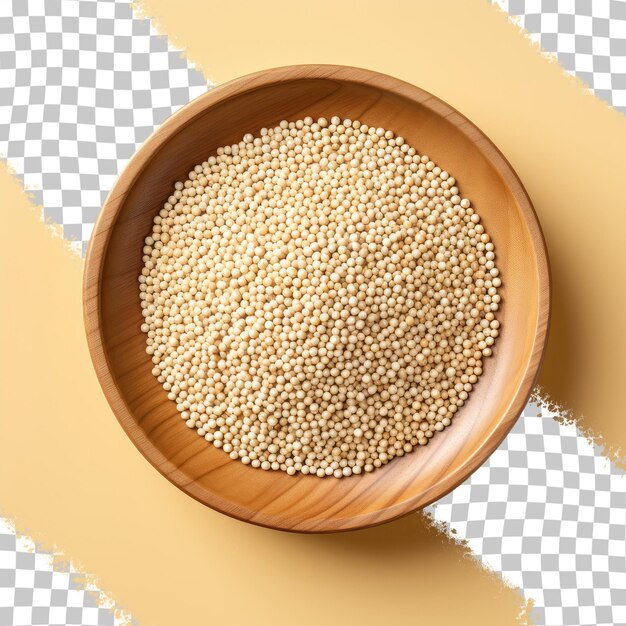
(34, 591)
(547, 510)
(587, 36)
(82, 84)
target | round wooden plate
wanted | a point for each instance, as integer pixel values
(113, 315)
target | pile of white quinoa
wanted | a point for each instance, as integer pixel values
(318, 298)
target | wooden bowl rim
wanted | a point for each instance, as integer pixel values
(98, 245)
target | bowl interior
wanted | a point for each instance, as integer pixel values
(305, 502)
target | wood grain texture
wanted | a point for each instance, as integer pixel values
(113, 314)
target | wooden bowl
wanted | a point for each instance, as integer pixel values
(113, 315)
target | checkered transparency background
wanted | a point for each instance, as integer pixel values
(588, 38)
(548, 511)
(84, 82)
(33, 590)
